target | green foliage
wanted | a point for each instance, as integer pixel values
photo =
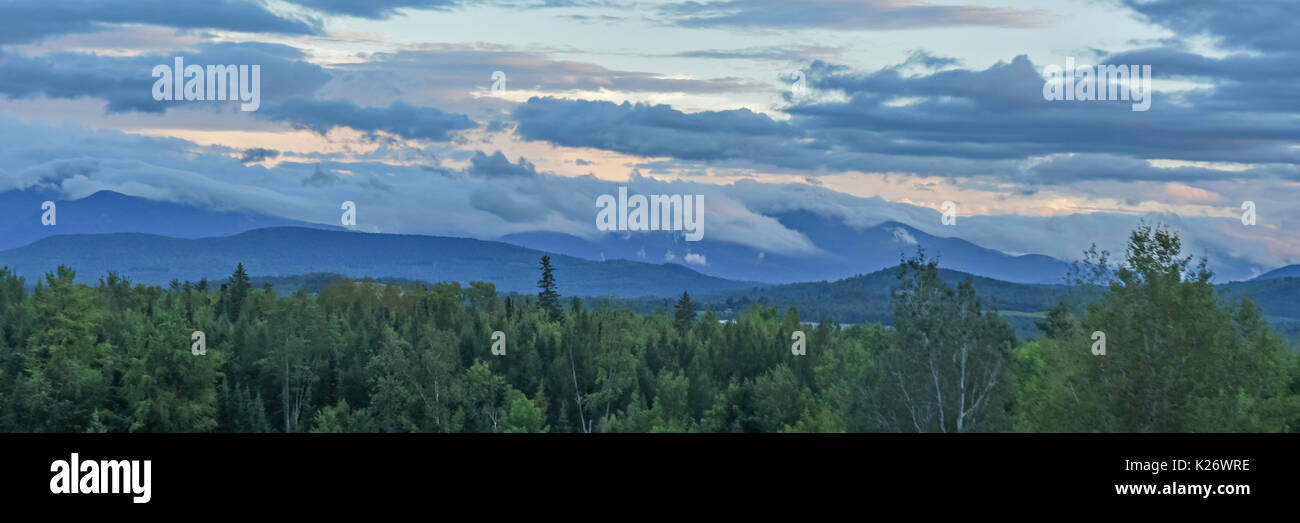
(342, 418)
(684, 313)
(948, 365)
(1177, 358)
(362, 356)
(866, 298)
(548, 298)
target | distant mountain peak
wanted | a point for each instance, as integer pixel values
(107, 211)
(1289, 271)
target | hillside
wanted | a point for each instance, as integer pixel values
(106, 212)
(285, 251)
(866, 298)
(1290, 271)
(841, 251)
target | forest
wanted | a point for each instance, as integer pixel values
(365, 356)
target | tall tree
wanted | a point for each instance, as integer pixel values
(1177, 357)
(237, 287)
(684, 313)
(948, 362)
(549, 298)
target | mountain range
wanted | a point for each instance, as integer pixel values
(110, 212)
(1290, 271)
(866, 298)
(155, 242)
(845, 251)
(284, 251)
(175, 242)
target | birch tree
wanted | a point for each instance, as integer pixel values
(946, 366)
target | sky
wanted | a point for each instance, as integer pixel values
(906, 104)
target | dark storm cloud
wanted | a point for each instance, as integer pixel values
(498, 165)
(399, 118)
(127, 83)
(981, 120)
(1265, 25)
(1000, 112)
(258, 154)
(23, 21)
(650, 130)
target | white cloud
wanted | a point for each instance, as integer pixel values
(901, 234)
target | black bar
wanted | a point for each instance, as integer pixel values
(235, 472)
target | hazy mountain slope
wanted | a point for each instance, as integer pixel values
(110, 212)
(1290, 271)
(842, 251)
(286, 251)
(866, 298)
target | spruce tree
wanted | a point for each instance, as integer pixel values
(549, 298)
(684, 313)
(239, 287)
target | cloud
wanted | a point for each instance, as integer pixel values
(498, 165)
(1267, 25)
(838, 14)
(1058, 169)
(372, 10)
(320, 177)
(258, 154)
(958, 122)
(77, 162)
(901, 234)
(696, 259)
(377, 10)
(399, 118)
(461, 74)
(23, 21)
(1176, 192)
(1000, 112)
(650, 130)
(787, 53)
(126, 84)
(928, 120)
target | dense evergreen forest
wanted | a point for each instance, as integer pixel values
(366, 356)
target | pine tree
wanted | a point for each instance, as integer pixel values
(684, 313)
(239, 287)
(1058, 323)
(548, 298)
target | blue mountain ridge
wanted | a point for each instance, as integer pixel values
(112, 212)
(844, 252)
(1290, 271)
(841, 250)
(284, 251)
